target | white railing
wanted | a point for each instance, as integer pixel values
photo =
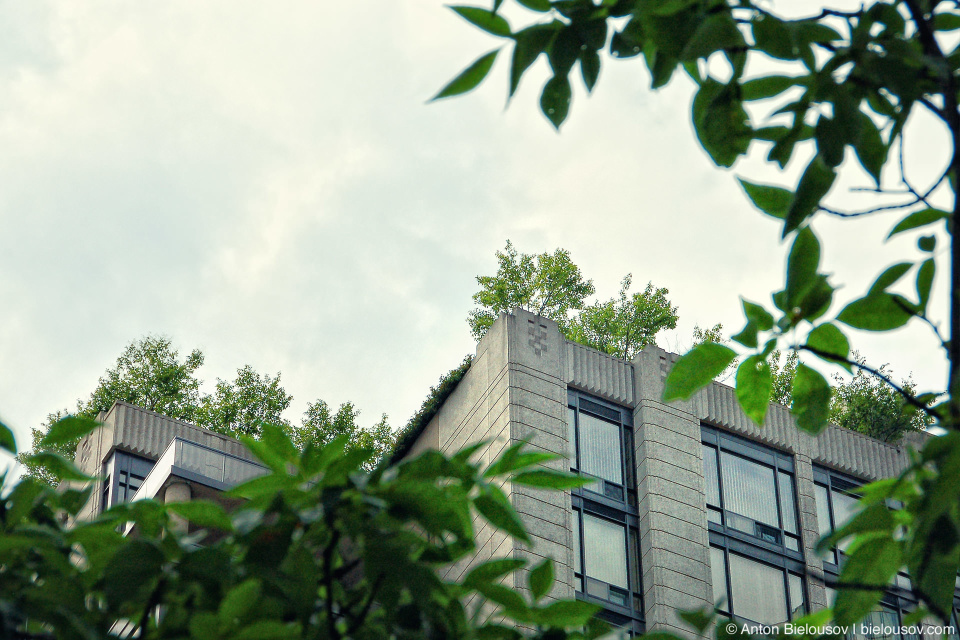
(198, 459)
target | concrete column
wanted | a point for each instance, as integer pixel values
(674, 539)
(177, 492)
(810, 532)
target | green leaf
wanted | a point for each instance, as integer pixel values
(530, 43)
(716, 33)
(589, 68)
(802, 265)
(696, 369)
(889, 277)
(203, 513)
(485, 19)
(555, 100)
(877, 312)
(811, 399)
(269, 630)
(946, 21)
(239, 602)
(279, 442)
(927, 243)
(918, 219)
(541, 579)
(869, 147)
(757, 314)
(547, 479)
(814, 185)
(131, 570)
(925, 282)
(507, 598)
(58, 466)
(768, 86)
(7, 441)
(830, 140)
(754, 386)
(721, 123)
(568, 613)
(491, 571)
(874, 562)
(470, 77)
(828, 339)
(542, 6)
(748, 336)
(773, 201)
(266, 455)
(496, 508)
(67, 430)
(774, 37)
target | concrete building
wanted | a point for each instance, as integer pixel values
(142, 454)
(693, 502)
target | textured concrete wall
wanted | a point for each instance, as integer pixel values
(674, 541)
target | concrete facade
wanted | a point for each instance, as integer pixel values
(517, 389)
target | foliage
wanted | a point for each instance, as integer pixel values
(243, 406)
(65, 449)
(431, 405)
(548, 284)
(624, 325)
(150, 374)
(552, 286)
(320, 427)
(808, 90)
(869, 405)
(319, 550)
(783, 376)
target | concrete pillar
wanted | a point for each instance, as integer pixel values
(177, 492)
(674, 539)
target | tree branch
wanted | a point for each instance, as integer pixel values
(907, 396)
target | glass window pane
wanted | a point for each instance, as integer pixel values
(600, 450)
(710, 475)
(797, 600)
(823, 510)
(844, 508)
(576, 542)
(788, 507)
(605, 551)
(572, 436)
(758, 591)
(718, 572)
(749, 489)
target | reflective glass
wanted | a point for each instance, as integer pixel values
(600, 449)
(710, 475)
(718, 572)
(749, 489)
(788, 507)
(605, 551)
(758, 592)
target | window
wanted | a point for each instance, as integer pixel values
(836, 500)
(756, 562)
(124, 474)
(605, 527)
(601, 445)
(756, 591)
(750, 490)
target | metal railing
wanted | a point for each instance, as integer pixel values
(198, 459)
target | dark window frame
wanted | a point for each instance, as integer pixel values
(780, 463)
(607, 505)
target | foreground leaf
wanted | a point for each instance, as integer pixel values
(696, 369)
(470, 77)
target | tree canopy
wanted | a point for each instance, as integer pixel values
(830, 92)
(551, 285)
(150, 373)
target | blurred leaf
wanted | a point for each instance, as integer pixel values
(530, 43)
(541, 579)
(496, 508)
(555, 100)
(918, 219)
(279, 442)
(470, 77)
(927, 243)
(58, 466)
(876, 312)
(814, 185)
(548, 479)
(7, 441)
(717, 32)
(492, 571)
(484, 19)
(567, 613)
(773, 201)
(811, 399)
(828, 339)
(754, 386)
(67, 430)
(768, 86)
(239, 603)
(874, 562)
(721, 123)
(131, 571)
(802, 265)
(925, 282)
(889, 277)
(696, 369)
(203, 513)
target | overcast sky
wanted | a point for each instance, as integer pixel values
(266, 182)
